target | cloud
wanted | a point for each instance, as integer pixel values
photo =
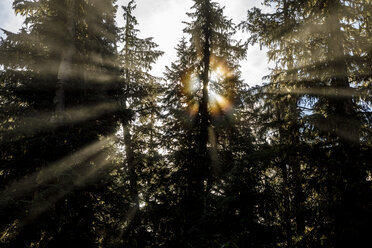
(8, 19)
(162, 19)
(255, 66)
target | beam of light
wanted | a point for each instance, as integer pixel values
(213, 152)
(28, 126)
(31, 182)
(190, 83)
(35, 45)
(128, 218)
(219, 104)
(89, 73)
(193, 108)
(217, 75)
(191, 87)
(39, 206)
(220, 70)
(322, 91)
(335, 124)
(194, 84)
(310, 26)
(314, 59)
(89, 67)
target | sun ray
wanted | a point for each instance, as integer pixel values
(31, 182)
(28, 126)
(39, 206)
(322, 91)
(215, 162)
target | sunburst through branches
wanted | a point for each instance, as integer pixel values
(219, 76)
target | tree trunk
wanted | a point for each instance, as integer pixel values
(293, 134)
(201, 168)
(287, 206)
(131, 166)
(203, 111)
(127, 135)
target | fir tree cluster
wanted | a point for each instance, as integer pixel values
(95, 151)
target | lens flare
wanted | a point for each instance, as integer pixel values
(219, 76)
(219, 104)
(193, 109)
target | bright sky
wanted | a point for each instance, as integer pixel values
(162, 19)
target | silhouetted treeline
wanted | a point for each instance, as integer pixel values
(97, 152)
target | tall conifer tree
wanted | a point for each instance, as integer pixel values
(317, 69)
(139, 94)
(206, 85)
(58, 70)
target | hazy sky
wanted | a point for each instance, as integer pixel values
(162, 19)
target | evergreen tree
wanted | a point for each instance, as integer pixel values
(55, 152)
(139, 94)
(209, 136)
(97, 152)
(283, 111)
(314, 46)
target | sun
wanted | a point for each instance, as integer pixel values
(217, 75)
(192, 86)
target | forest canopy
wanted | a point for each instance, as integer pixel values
(97, 151)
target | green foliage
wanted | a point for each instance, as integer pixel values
(312, 110)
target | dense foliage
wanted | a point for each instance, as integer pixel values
(97, 152)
